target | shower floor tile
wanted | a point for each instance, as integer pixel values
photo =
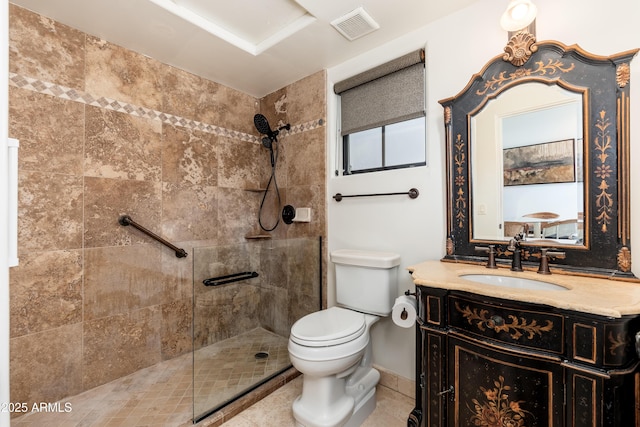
(161, 395)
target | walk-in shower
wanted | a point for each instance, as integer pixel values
(269, 141)
(245, 299)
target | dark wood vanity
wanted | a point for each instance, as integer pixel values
(488, 361)
(500, 355)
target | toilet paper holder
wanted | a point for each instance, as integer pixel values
(405, 313)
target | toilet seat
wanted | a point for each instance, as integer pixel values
(325, 328)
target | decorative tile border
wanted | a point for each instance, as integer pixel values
(74, 95)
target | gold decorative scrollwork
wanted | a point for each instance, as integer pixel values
(624, 259)
(604, 199)
(460, 159)
(520, 48)
(620, 340)
(516, 328)
(623, 74)
(542, 70)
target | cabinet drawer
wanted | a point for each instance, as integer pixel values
(513, 324)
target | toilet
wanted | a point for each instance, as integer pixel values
(332, 347)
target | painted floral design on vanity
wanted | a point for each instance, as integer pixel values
(496, 410)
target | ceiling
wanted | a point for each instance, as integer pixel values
(255, 46)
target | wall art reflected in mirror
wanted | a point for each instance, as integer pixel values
(538, 146)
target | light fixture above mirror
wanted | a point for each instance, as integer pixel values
(519, 14)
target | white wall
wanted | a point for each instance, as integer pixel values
(457, 47)
(4, 253)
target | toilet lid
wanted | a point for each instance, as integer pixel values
(328, 327)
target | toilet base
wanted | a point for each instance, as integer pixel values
(332, 402)
(363, 410)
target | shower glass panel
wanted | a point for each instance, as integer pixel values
(242, 316)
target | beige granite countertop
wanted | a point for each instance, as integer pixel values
(605, 297)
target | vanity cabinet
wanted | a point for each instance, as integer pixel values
(485, 361)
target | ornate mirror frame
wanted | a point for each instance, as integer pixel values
(603, 82)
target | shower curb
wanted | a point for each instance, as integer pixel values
(242, 403)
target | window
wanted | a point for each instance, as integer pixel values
(398, 145)
(382, 116)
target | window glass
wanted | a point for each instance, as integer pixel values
(404, 143)
(394, 146)
(365, 149)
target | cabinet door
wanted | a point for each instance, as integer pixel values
(498, 387)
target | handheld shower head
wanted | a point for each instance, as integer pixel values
(262, 124)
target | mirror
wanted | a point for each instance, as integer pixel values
(538, 143)
(525, 175)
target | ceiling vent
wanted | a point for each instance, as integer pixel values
(355, 24)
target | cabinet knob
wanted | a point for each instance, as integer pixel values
(638, 343)
(494, 322)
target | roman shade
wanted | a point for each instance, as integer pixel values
(389, 93)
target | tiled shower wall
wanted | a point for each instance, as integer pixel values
(105, 131)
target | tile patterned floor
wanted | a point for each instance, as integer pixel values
(224, 370)
(161, 395)
(392, 409)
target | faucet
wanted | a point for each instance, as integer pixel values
(491, 251)
(545, 253)
(514, 246)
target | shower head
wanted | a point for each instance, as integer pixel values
(262, 124)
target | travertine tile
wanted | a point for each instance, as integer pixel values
(105, 200)
(122, 146)
(176, 329)
(230, 109)
(309, 153)
(118, 345)
(49, 212)
(46, 366)
(237, 214)
(52, 139)
(123, 279)
(306, 98)
(242, 164)
(42, 48)
(189, 157)
(189, 212)
(196, 98)
(46, 291)
(117, 73)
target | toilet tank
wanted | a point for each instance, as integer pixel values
(366, 281)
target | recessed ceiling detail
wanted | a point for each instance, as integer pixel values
(355, 24)
(255, 32)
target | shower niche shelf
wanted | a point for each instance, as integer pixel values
(255, 189)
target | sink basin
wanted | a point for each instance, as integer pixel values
(513, 282)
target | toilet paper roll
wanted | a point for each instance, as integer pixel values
(403, 312)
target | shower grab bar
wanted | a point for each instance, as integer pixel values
(229, 278)
(125, 220)
(412, 193)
